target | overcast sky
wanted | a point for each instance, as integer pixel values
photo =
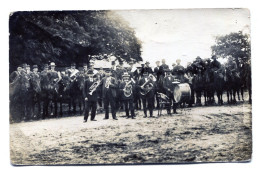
(183, 34)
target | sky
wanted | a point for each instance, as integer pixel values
(183, 34)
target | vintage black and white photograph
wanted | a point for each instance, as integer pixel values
(106, 87)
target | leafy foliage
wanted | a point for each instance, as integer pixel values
(70, 36)
(236, 45)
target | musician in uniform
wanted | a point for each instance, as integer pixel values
(178, 71)
(109, 86)
(54, 78)
(90, 94)
(169, 82)
(147, 86)
(73, 71)
(126, 87)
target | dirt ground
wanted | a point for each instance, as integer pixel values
(198, 134)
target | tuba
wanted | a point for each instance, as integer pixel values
(146, 89)
(128, 89)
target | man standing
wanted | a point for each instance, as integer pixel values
(178, 71)
(168, 85)
(90, 95)
(158, 70)
(54, 78)
(109, 87)
(126, 88)
(147, 68)
(147, 86)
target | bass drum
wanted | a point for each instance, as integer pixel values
(182, 92)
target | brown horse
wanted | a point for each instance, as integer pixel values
(34, 95)
(18, 97)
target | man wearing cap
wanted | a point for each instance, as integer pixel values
(91, 67)
(73, 71)
(54, 78)
(147, 68)
(126, 90)
(146, 86)
(178, 71)
(109, 92)
(215, 64)
(90, 95)
(169, 82)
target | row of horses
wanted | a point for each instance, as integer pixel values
(219, 81)
(43, 94)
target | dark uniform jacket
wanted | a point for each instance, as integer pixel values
(151, 83)
(121, 88)
(167, 84)
(158, 72)
(113, 87)
(87, 85)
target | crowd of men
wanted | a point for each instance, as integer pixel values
(129, 88)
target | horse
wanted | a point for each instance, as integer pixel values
(76, 92)
(209, 87)
(233, 85)
(18, 97)
(49, 93)
(34, 95)
(198, 86)
(64, 93)
(219, 83)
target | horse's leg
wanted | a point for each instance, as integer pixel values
(234, 96)
(242, 93)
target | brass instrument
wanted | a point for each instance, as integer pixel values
(144, 90)
(93, 87)
(128, 88)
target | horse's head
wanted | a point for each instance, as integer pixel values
(81, 81)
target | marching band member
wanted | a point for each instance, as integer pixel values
(109, 87)
(168, 85)
(126, 88)
(73, 71)
(147, 86)
(90, 94)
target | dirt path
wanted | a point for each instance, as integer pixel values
(200, 134)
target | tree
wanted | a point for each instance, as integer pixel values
(236, 45)
(70, 36)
